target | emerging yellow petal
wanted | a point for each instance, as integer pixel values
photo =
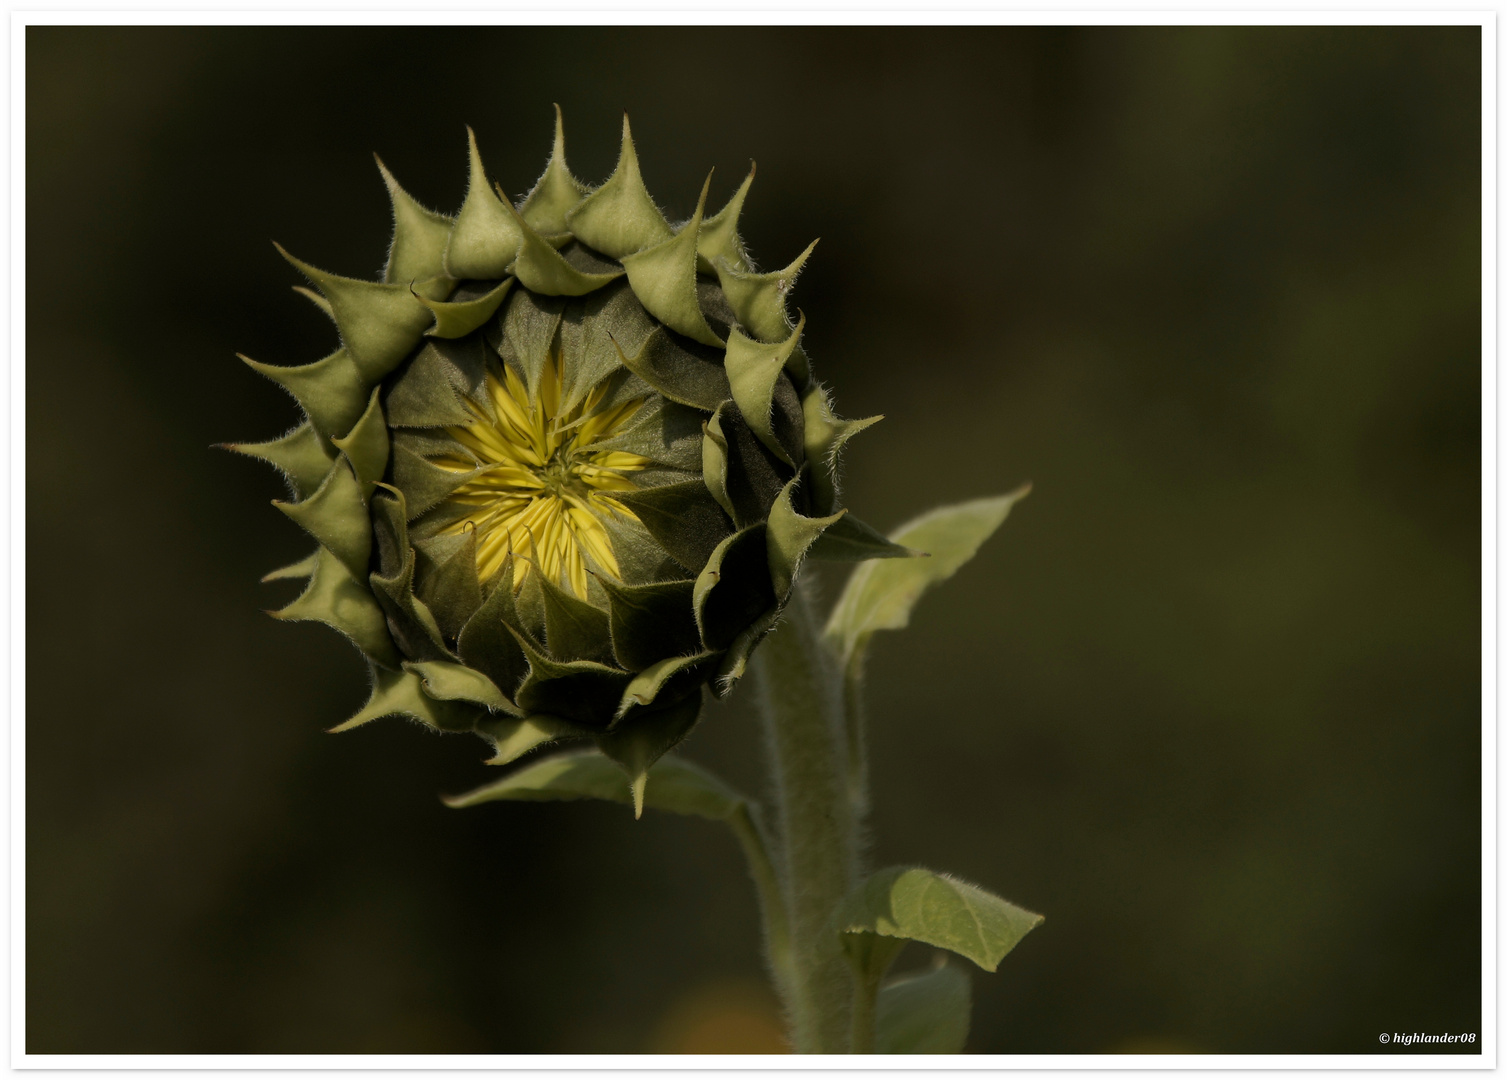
(546, 486)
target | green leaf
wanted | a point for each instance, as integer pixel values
(925, 1013)
(910, 903)
(880, 595)
(676, 785)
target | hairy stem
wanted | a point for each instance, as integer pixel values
(802, 700)
(771, 899)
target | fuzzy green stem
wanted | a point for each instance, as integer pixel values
(801, 696)
(856, 736)
(771, 899)
(865, 995)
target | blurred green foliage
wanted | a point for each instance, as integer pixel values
(1211, 699)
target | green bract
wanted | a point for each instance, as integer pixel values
(565, 466)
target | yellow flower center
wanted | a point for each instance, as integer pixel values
(546, 486)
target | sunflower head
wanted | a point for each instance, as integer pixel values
(565, 465)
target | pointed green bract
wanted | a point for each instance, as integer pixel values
(665, 681)
(636, 747)
(557, 191)
(718, 238)
(790, 536)
(331, 392)
(400, 693)
(573, 628)
(314, 298)
(485, 237)
(753, 368)
(664, 279)
(302, 456)
(734, 664)
(851, 540)
(759, 299)
(880, 595)
(336, 516)
(446, 681)
(340, 600)
(619, 218)
(907, 902)
(677, 373)
(366, 446)
(512, 737)
(542, 269)
(581, 691)
(419, 237)
(675, 785)
(714, 462)
(457, 319)
(651, 621)
(378, 323)
(301, 569)
(735, 587)
(826, 436)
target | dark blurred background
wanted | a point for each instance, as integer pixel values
(1210, 700)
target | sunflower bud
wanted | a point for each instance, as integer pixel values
(565, 466)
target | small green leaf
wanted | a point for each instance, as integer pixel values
(677, 785)
(925, 1013)
(880, 595)
(920, 905)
